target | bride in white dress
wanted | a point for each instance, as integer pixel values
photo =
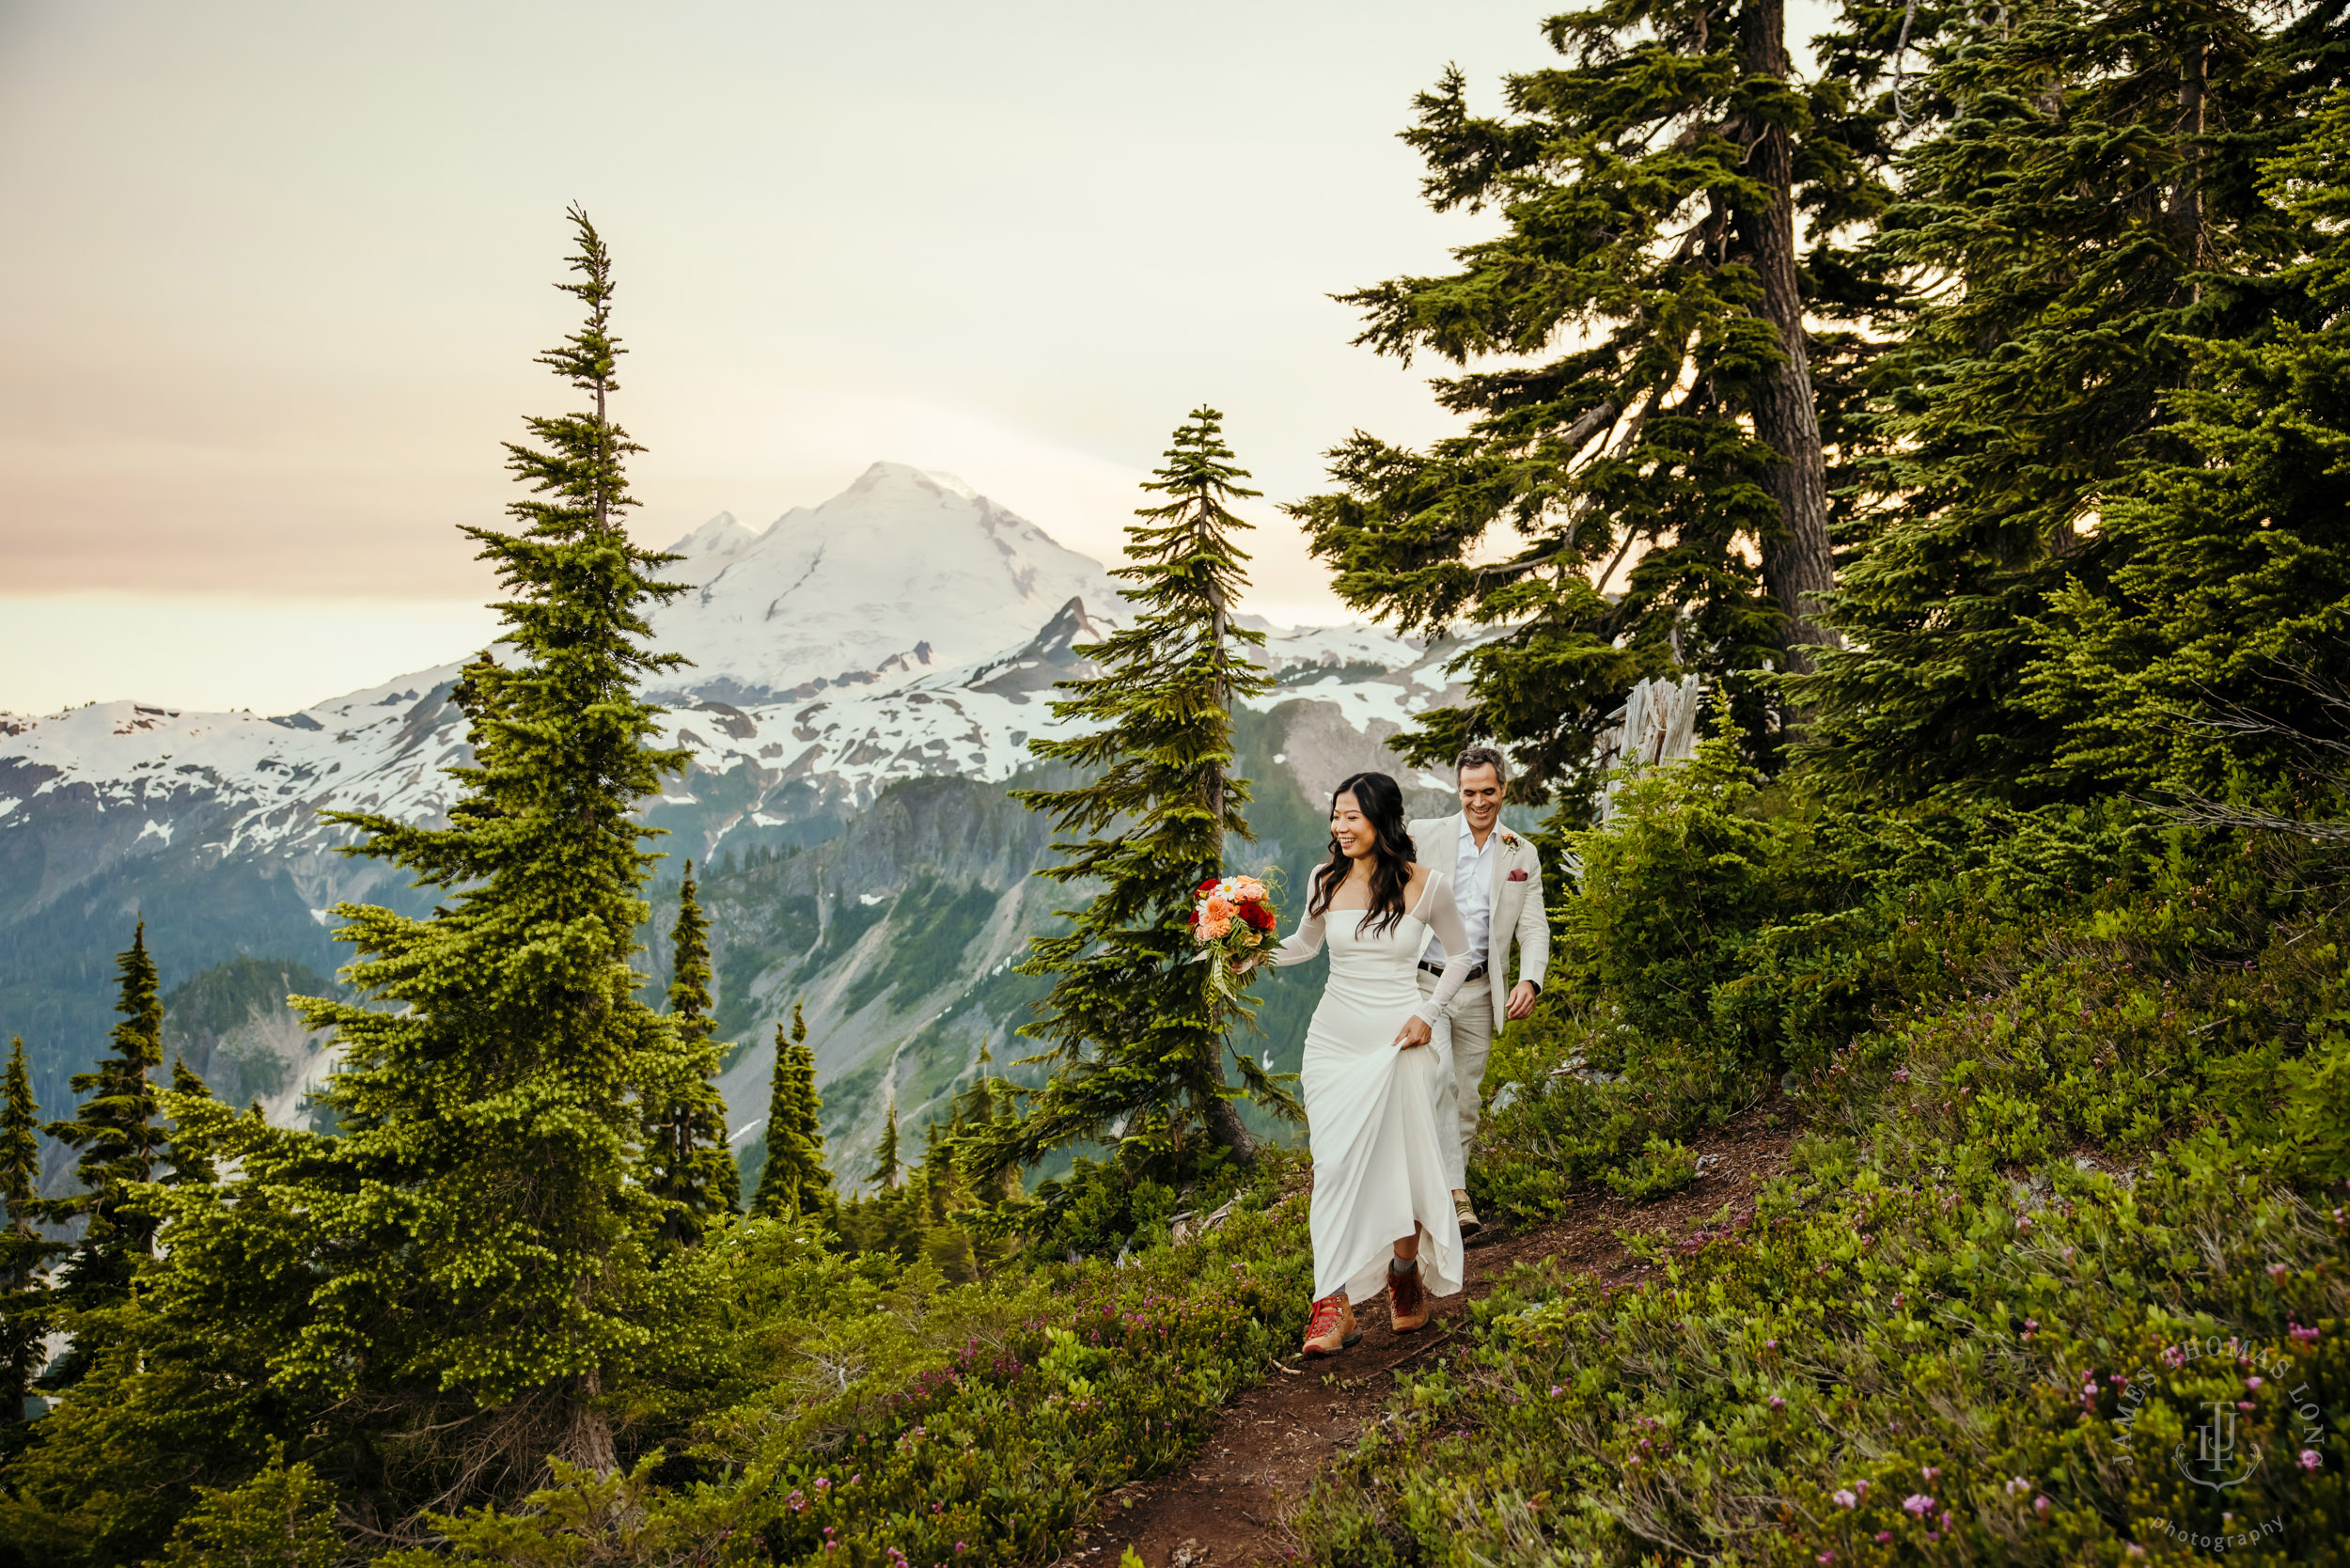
(1383, 1213)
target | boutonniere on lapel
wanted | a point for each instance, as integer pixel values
(1517, 873)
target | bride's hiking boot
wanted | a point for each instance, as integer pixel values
(1407, 1301)
(1332, 1326)
(1470, 1224)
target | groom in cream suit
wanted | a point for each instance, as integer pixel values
(1498, 883)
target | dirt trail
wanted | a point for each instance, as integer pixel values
(1229, 1506)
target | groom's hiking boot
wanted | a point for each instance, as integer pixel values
(1470, 1224)
(1407, 1302)
(1332, 1326)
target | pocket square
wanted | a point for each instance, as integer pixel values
(1518, 875)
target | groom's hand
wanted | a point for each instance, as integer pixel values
(1522, 999)
(1414, 1033)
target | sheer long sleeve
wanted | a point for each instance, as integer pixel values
(1443, 916)
(1299, 945)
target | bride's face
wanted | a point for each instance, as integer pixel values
(1351, 828)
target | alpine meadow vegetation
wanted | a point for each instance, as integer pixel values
(1966, 410)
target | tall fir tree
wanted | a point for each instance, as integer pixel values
(1134, 1036)
(2084, 196)
(689, 1166)
(892, 1218)
(462, 1272)
(976, 1116)
(887, 1160)
(794, 1179)
(24, 1252)
(117, 1131)
(1644, 487)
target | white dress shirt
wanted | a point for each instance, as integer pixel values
(1472, 894)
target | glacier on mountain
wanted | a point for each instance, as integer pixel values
(904, 571)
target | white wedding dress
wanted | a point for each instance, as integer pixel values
(1381, 1147)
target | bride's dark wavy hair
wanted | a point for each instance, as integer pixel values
(1380, 799)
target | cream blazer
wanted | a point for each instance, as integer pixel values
(1514, 901)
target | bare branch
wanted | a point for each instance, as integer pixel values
(2202, 811)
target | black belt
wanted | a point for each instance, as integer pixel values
(1478, 973)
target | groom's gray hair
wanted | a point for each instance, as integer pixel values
(1480, 757)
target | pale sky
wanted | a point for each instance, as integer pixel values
(275, 273)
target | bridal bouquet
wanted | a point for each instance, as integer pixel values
(1232, 917)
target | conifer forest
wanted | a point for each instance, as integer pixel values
(1933, 1131)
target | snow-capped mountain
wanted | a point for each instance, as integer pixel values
(906, 630)
(904, 571)
(131, 779)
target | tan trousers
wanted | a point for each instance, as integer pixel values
(1471, 1022)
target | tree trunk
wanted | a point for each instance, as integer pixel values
(1217, 629)
(2187, 196)
(588, 1435)
(1221, 1115)
(1224, 1123)
(1799, 564)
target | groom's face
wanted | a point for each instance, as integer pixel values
(1480, 798)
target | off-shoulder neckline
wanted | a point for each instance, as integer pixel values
(1427, 891)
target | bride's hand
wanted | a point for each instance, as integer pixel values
(1414, 1033)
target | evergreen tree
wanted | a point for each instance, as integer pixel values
(941, 1197)
(2085, 196)
(24, 1252)
(471, 1252)
(1131, 1027)
(794, 1179)
(974, 1117)
(2220, 657)
(936, 1179)
(117, 1131)
(1654, 451)
(190, 1156)
(886, 1161)
(689, 1166)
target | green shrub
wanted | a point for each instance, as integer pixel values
(1663, 1167)
(1968, 1342)
(283, 1518)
